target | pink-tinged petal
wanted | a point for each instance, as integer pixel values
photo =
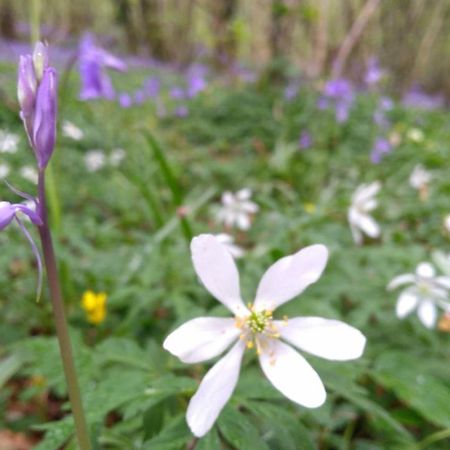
(249, 207)
(217, 270)
(201, 339)
(329, 339)
(214, 391)
(427, 313)
(244, 194)
(406, 303)
(292, 375)
(400, 280)
(290, 276)
(228, 198)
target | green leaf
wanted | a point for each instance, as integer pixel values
(9, 366)
(173, 436)
(209, 442)
(239, 431)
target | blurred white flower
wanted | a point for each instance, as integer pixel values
(71, 131)
(415, 135)
(364, 201)
(8, 142)
(420, 177)
(116, 156)
(94, 160)
(228, 242)
(204, 338)
(4, 171)
(237, 209)
(29, 173)
(447, 223)
(426, 292)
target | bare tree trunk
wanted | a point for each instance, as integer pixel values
(153, 25)
(225, 42)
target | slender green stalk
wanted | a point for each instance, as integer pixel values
(172, 183)
(35, 20)
(53, 198)
(432, 438)
(62, 331)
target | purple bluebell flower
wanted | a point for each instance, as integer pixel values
(181, 111)
(417, 98)
(9, 210)
(374, 73)
(305, 141)
(125, 100)
(379, 116)
(44, 123)
(152, 87)
(177, 93)
(381, 148)
(340, 93)
(196, 81)
(26, 91)
(93, 60)
(291, 91)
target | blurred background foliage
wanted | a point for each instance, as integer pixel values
(411, 38)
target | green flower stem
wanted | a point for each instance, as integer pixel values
(435, 437)
(62, 331)
(35, 21)
(172, 183)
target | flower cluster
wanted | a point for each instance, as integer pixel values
(253, 327)
(95, 306)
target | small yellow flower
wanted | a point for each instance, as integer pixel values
(310, 208)
(95, 306)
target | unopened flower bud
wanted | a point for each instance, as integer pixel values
(26, 85)
(44, 125)
(40, 60)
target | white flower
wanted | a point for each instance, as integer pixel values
(204, 338)
(116, 156)
(420, 177)
(4, 171)
(425, 292)
(29, 173)
(447, 223)
(228, 242)
(364, 201)
(415, 135)
(94, 160)
(71, 131)
(237, 209)
(8, 142)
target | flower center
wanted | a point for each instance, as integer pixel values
(256, 327)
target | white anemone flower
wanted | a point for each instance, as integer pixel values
(426, 292)
(117, 156)
(228, 241)
(364, 201)
(204, 338)
(4, 171)
(29, 173)
(237, 209)
(71, 131)
(94, 160)
(8, 142)
(420, 177)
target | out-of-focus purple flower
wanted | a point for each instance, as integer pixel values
(152, 87)
(8, 212)
(386, 103)
(379, 116)
(305, 141)
(381, 148)
(125, 100)
(323, 103)
(177, 93)
(196, 81)
(291, 91)
(93, 60)
(417, 98)
(181, 111)
(374, 73)
(340, 93)
(44, 124)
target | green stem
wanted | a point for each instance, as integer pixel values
(172, 183)
(35, 21)
(432, 438)
(53, 199)
(62, 331)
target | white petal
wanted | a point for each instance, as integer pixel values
(201, 339)
(443, 281)
(365, 191)
(370, 204)
(243, 221)
(292, 375)
(214, 391)
(228, 198)
(249, 207)
(367, 224)
(399, 280)
(425, 270)
(406, 303)
(217, 271)
(427, 313)
(244, 194)
(356, 234)
(330, 339)
(290, 275)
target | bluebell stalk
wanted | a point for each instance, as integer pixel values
(37, 94)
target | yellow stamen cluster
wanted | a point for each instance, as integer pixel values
(256, 325)
(95, 306)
